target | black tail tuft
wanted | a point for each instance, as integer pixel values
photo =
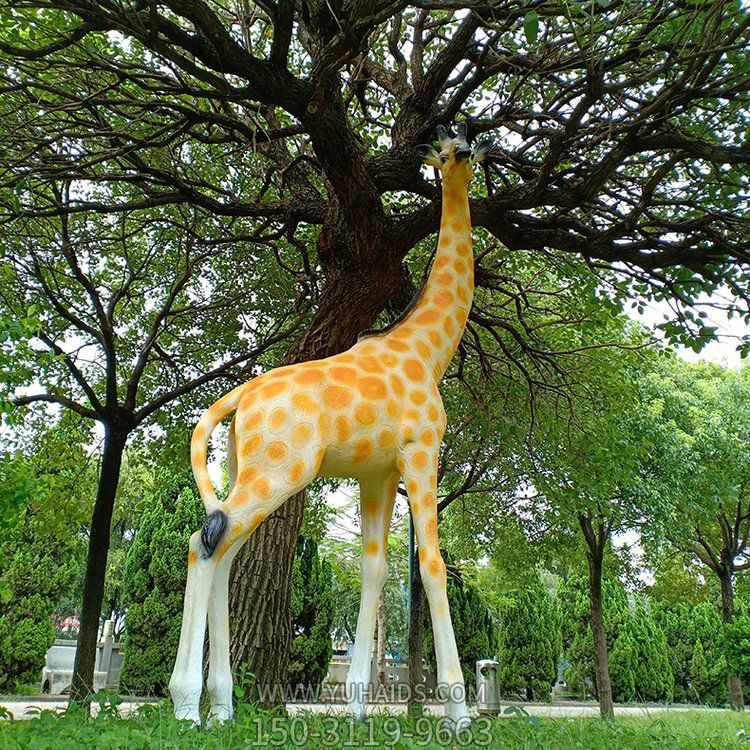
(213, 530)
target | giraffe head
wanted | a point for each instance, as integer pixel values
(455, 158)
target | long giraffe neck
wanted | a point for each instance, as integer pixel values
(435, 325)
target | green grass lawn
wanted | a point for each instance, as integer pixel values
(154, 727)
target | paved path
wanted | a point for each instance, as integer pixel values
(29, 708)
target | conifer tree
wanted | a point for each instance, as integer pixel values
(529, 644)
(313, 613)
(155, 575)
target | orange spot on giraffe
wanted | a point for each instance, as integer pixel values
(273, 389)
(248, 474)
(418, 397)
(392, 408)
(365, 414)
(412, 487)
(309, 377)
(423, 350)
(428, 437)
(372, 548)
(254, 418)
(428, 317)
(386, 439)
(435, 339)
(368, 349)
(262, 488)
(432, 412)
(192, 557)
(277, 451)
(458, 225)
(460, 267)
(436, 567)
(444, 278)
(336, 397)
(389, 360)
(422, 555)
(345, 358)
(371, 365)
(324, 426)
(401, 465)
(304, 403)
(296, 472)
(397, 385)
(198, 457)
(343, 374)
(420, 460)
(463, 295)
(369, 506)
(397, 346)
(429, 500)
(449, 326)
(372, 387)
(251, 445)
(343, 428)
(462, 248)
(444, 298)
(362, 449)
(301, 434)
(257, 520)
(430, 531)
(278, 418)
(403, 332)
(240, 498)
(414, 370)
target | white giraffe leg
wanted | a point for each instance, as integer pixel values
(376, 499)
(419, 476)
(220, 684)
(186, 683)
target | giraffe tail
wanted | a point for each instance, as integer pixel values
(199, 444)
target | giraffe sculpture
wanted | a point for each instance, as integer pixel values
(373, 413)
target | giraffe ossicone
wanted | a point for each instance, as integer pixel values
(373, 413)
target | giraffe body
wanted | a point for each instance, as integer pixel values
(373, 413)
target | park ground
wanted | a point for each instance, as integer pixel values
(152, 726)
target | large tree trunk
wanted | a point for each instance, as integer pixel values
(734, 684)
(380, 661)
(96, 564)
(416, 619)
(259, 597)
(601, 653)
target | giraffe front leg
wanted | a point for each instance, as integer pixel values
(418, 470)
(186, 683)
(376, 501)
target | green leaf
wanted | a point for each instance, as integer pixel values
(531, 26)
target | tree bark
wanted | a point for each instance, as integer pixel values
(260, 593)
(734, 684)
(601, 653)
(415, 705)
(381, 648)
(96, 564)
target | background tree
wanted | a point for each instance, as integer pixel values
(313, 608)
(110, 335)
(41, 553)
(700, 413)
(619, 140)
(529, 643)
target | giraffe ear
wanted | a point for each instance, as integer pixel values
(428, 155)
(482, 149)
